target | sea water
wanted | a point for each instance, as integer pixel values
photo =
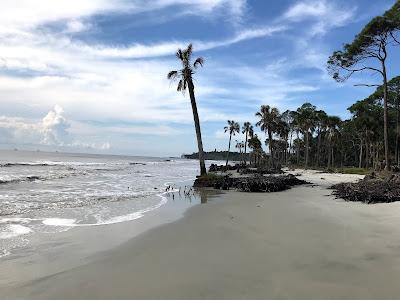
(52, 192)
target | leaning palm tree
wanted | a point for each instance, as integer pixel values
(249, 132)
(186, 82)
(269, 118)
(233, 128)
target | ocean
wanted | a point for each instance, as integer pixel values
(42, 192)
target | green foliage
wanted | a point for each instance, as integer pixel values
(370, 43)
(306, 117)
(232, 127)
(255, 143)
(185, 74)
(356, 171)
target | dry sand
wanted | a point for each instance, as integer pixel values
(298, 244)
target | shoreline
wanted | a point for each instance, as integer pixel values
(78, 245)
(297, 244)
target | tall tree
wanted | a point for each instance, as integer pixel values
(185, 76)
(321, 124)
(269, 119)
(255, 144)
(240, 146)
(333, 125)
(370, 46)
(283, 130)
(393, 103)
(249, 132)
(233, 128)
(307, 118)
(288, 117)
(367, 120)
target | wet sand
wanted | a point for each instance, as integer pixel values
(297, 244)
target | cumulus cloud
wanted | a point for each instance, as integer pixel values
(55, 127)
(52, 130)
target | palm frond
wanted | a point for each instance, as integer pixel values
(198, 62)
(180, 86)
(189, 51)
(172, 75)
(179, 54)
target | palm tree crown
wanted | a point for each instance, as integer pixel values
(233, 127)
(249, 133)
(187, 71)
(269, 120)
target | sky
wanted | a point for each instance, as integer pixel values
(90, 75)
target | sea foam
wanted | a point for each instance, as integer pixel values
(14, 230)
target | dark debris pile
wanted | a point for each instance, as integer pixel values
(372, 189)
(254, 183)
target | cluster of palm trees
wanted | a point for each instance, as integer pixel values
(309, 137)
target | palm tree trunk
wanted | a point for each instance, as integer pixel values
(298, 149)
(203, 170)
(329, 155)
(229, 149)
(318, 147)
(361, 155)
(307, 145)
(271, 151)
(398, 132)
(385, 115)
(245, 150)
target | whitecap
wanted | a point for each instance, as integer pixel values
(59, 222)
(14, 230)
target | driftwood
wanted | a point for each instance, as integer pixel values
(221, 168)
(261, 171)
(245, 169)
(371, 189)
(255, 183)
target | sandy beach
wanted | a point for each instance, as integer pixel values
(297, 244)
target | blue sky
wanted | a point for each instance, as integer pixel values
(90, 75)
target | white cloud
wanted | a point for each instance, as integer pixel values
(168, 48)
(302, 10)
(325, 14)
(91, 83)
(55, 127)
(74, 26)
(52, 130)
(32, 13)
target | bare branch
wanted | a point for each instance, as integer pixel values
(394, 38)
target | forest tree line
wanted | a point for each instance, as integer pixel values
(310, 137)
